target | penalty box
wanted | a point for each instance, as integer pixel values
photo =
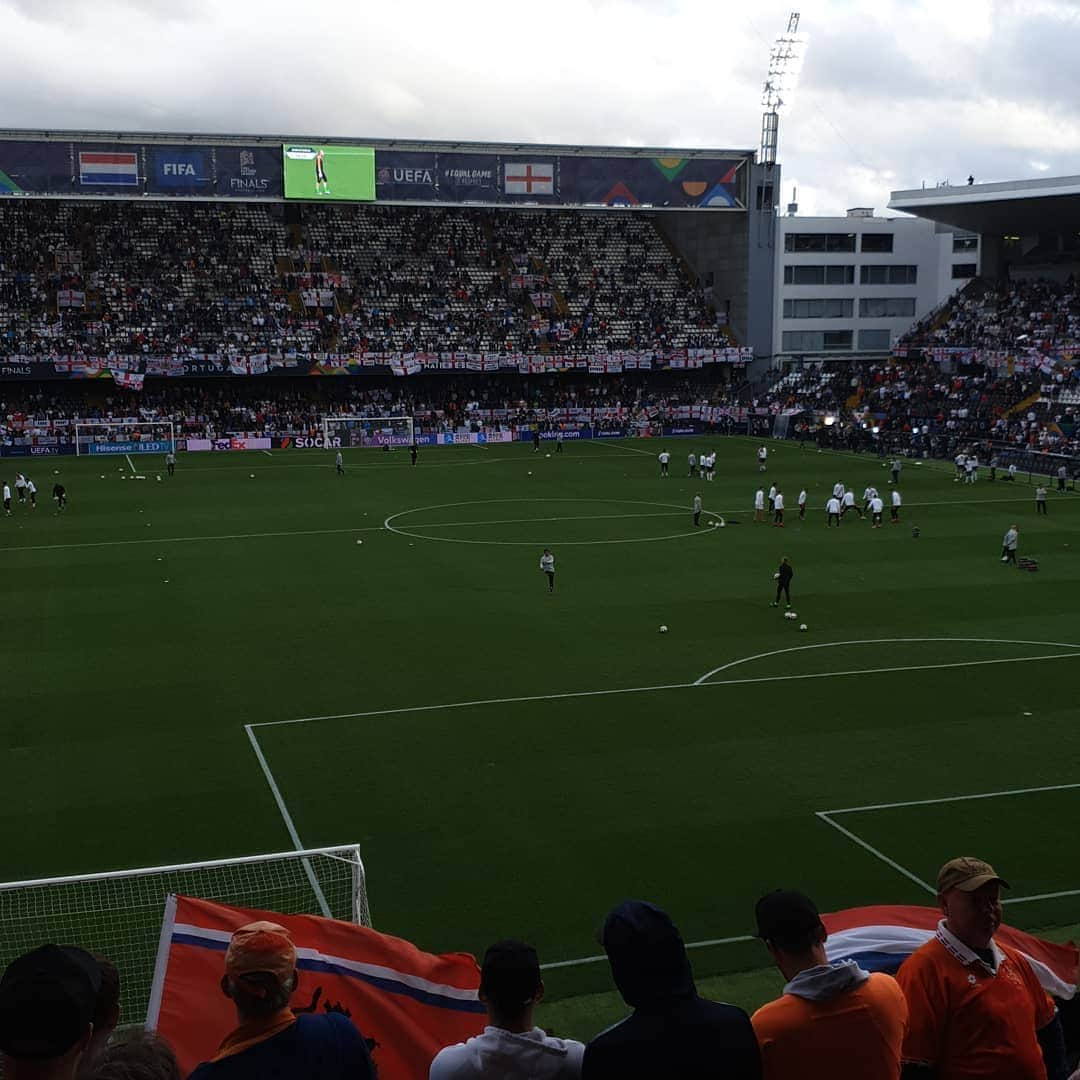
(1005, 827)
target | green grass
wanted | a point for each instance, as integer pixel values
(136, 653)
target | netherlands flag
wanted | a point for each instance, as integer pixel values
(116, 170)
(882, 938)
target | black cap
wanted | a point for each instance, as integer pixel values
(47, 1000)
(787, 919)
(510, 975)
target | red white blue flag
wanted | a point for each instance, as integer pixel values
(882, 938)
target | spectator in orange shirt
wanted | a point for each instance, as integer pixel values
(975, 1006)
(833, 1020)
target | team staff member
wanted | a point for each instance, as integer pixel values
(547, 564)
(697, 510)
(1008, 545)
(412, 452)
(536, 439)
(1040, 499)
(975, 1006)
(783, 575)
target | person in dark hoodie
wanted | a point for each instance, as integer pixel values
(832, 1019)
(671, 1033)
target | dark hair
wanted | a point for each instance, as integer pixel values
(142, 1056)
(260, 993)
(107, 1005)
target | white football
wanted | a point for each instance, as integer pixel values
(547, 455)
(776, 577)
(530, 472)
(802, 626)
(663, 629)
(252, 476)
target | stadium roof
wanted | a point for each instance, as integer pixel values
(445, 145)
(1015, 207)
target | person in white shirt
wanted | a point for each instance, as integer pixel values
(759, 504)
(802, 504)
(7, 499)
(664, 457)
(961, 462)
(778, 510)
(832, 508)
(838, 490)
(762, 455)
(691, 461)
(772, 498)
(1008, 545)
(877, 504)
(31, 490)
(170, 463)
(868, 496)
(710, 466)
(1012, 472)
(971, 467)
(339, 464)
(510, 1045)
(20, 487)
(697, 510)
(895, 506)
(849, 503)
(547, 564)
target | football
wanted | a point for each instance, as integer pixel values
(252, 476)
(802, 626)
(663, 629)
(790, 615)
(776, 577)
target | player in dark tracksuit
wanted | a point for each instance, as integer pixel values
(536, 440)
(60, 495)
(412, 452)
(784, 574)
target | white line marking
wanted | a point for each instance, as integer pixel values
(952, 798)
(190, 539)
(287, 818)
(131, 464)
(687, 945)
(642, 690)
(877, 641)
(874, 851)
(1041, 896)
(541, 521)
(617, 446)
(267, 453)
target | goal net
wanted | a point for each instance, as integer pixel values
(118, 914)
(340, 432)
(124, 437)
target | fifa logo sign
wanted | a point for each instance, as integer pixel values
(178, 168)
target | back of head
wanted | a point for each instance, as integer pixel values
(47, 1002)
(509, 978)
(647, 955)
(789, 921)
(144, 1056)
(260, 968)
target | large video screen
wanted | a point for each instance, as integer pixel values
(329, 172)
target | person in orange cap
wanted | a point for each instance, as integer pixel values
(270, 1041)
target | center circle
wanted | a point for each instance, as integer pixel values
(547, 521)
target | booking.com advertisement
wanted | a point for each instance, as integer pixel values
(329, 172)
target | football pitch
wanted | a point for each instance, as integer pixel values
(258, 654)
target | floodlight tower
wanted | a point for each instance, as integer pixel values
(785, 63)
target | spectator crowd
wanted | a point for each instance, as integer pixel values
(962, 1006)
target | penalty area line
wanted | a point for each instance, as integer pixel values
(131, 464)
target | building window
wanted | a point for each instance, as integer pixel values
(964, 271)
(961, 244)
(802, 341)
(888, 275)
(875, 339)
(887, 307)
(837, 339)
(819, 275)
(818, 309)
(878, 243)
(819, 242)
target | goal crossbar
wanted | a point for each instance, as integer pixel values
(118, 914)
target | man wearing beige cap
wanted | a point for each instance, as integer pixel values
(271, 1042)
(975, 1006)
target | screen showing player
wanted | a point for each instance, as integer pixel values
(329, 172)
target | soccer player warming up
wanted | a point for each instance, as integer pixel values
(7, 499)
(547, 564)
(60, 495)
(170, 463)
(759, 504)
(832, 508)
(1008, 545)
(339, 464)
(783, 577)
(877, 505)
(762, 457)
(697, 510)
(778, 509)
(665, 458)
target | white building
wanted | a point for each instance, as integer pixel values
(850, 286)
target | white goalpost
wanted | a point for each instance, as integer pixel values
(118, 913)
(124, 437)
(341, 432)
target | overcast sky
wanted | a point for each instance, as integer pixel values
(892, 94)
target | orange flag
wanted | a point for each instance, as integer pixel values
(409, 1002)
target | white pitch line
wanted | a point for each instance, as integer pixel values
(131, 464)
(952, 798)
(268, 454)
(879, 641)
(688, 945)
(543, 521)
(287, 818)
(874, 851)
(1041, 896)
(190, 539)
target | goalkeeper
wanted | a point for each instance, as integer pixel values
(782, 577)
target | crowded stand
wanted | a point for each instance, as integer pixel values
(161, 279)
